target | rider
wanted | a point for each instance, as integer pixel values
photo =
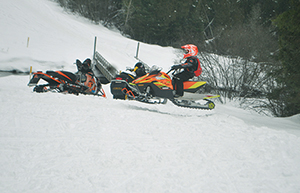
(139, 69)
(191, 68)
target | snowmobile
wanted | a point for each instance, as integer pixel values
(128, 76)
(82, 82)
(156, 88)
(120, 82)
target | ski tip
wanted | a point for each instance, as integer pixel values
(211, 96)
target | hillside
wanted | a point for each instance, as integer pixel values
(53, 142)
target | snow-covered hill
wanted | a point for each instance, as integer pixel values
(64, 143)
(57, 38)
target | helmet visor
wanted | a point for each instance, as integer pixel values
(185, 51)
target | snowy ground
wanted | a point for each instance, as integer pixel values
(53, 142)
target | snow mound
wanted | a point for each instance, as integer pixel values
(52, 142)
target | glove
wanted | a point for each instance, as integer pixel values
(174, 67)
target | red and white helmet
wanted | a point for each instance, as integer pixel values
(191, 50)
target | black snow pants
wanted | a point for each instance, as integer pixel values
(178, 80)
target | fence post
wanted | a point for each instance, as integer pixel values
(27, 42)
(137, 50)
(30, 73)
(95, 42)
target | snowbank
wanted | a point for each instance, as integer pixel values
(53, 142)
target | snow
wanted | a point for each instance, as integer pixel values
(53, 142)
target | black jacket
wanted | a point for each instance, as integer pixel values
(191, 64)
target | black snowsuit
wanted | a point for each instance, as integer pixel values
(190, 66)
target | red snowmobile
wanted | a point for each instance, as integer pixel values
(156, 87)
(82, 82)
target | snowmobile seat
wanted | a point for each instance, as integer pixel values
(64, 75)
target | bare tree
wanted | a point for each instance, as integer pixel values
(235, 78)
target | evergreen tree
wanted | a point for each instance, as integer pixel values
(288, 76)
(166, 22)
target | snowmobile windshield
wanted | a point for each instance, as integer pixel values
(154, 69)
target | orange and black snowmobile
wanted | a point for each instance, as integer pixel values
(122, 80)
(82, 82)
(156, 87)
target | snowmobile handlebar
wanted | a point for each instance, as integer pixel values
(169, 71)
(174, 68)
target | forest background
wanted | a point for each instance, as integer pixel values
(259, 38)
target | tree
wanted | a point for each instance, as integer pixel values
(98, 11)
(166, 22)
(287, 97)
